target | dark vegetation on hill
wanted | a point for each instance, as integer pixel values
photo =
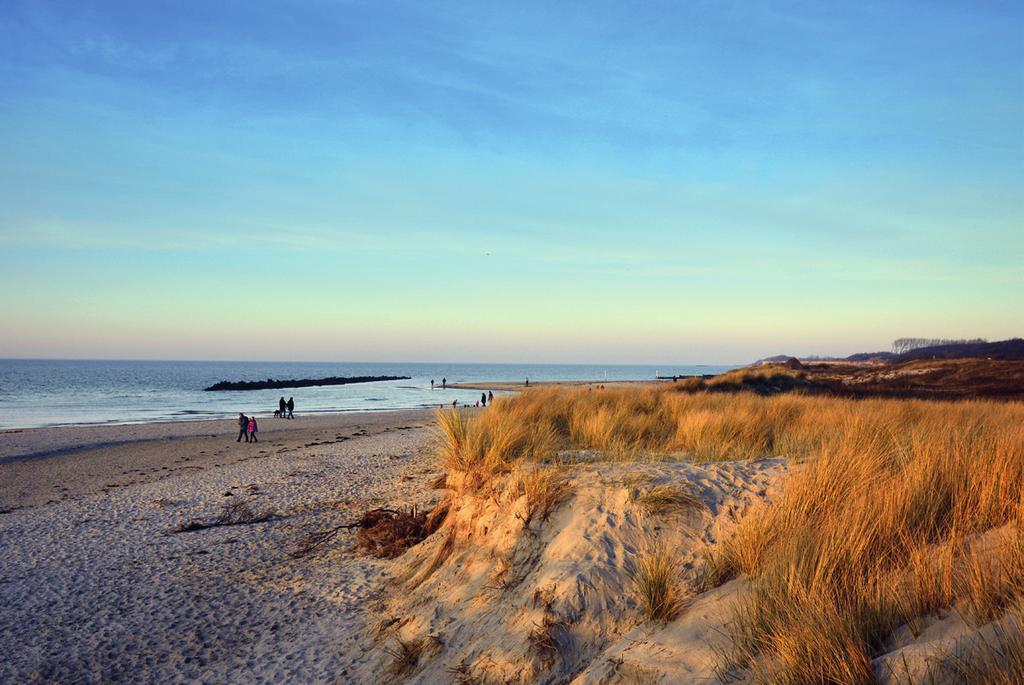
(871, 357)
(907, 349)
(951, 370)
(949, 379)
(1004, 349)
(927, 379)
(859, 357)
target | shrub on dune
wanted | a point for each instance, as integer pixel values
(656, 584)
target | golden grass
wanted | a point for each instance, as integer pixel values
(543, 488)
(876, 528)
(750, 375)
(665, 499)
(872, 534)
(991, 581)
(491, 443)
(656, 584)
(633, 422)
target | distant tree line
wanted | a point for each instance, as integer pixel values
(907, 344)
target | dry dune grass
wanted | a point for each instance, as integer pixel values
(536, 424)
(878, 528)
(492, 443)
(875, 532)
(544, 490)
(656, 584)
(666, 498)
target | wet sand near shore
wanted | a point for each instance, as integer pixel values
(44, 465)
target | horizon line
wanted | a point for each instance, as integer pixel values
(353, 361)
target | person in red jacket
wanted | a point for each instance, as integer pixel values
(252, 429)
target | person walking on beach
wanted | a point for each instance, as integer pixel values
(252, 429)
(444, 383)
(291, 407)
(282, 405)
(490, 396)
(431, 383)
(483, 399)
(243, 427)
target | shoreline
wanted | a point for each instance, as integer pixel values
(207, 418)
(22, 447)
(41, 466)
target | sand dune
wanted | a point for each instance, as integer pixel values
(499, 596)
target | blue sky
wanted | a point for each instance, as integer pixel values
(600, 182)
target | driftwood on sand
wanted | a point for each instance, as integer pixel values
(271, 384)
(384, 533)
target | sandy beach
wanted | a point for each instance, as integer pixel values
(46, 465)
(96, 588)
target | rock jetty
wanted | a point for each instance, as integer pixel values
(271, 384)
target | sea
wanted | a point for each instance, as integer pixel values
(45, 392)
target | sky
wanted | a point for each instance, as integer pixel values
(657, 182)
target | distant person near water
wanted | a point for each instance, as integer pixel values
(483, 399)
(490, 396)
(431, 383)
(527, 382)
(291, 407)
(282, 406)
(252, 430)
(444, 383)
(243, 427)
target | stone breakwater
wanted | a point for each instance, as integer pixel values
(271, 384)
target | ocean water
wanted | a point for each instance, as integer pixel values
(36, 392)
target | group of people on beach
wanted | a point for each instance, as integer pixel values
(286, 410)
(485, 397)
(247, 426)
